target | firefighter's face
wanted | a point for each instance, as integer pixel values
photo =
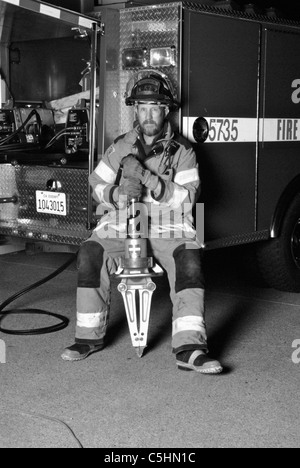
(151, 118)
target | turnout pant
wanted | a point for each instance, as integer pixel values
(99, 258)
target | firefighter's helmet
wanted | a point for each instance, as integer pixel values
(152, 87)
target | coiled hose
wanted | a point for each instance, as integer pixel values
(64, 321)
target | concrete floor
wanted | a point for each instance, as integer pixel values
(116, 400)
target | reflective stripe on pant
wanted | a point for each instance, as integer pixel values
(187, 285)
(93, 293)
(98, 259)
(189, 329)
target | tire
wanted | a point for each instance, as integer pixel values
(248, 266)
(279, 259)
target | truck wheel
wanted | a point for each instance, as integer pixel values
(279, 259)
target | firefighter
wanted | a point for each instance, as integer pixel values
(158, 167)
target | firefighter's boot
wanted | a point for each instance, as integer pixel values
(78, 351)
(198, 361)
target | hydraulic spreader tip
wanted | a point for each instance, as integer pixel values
(136, 272)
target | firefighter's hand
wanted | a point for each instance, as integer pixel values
(131, 188)
(133, 168)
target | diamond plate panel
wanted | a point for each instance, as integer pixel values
(8, 188)
(238, 240)
(147, 27)
(22, 219)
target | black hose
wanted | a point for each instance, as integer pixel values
(63, 132)
(25, 146)
(16, 147)
(32, 113)
(64, 321)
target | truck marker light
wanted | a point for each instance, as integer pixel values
(200, 130)
(134, 58)
(163, 57)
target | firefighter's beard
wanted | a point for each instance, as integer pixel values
(150, 128)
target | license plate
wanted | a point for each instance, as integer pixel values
(51, 203)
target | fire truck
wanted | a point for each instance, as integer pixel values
(64, 77)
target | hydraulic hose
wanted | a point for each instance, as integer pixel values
(64, 321)
(32, 113)
(16, 147)
(63, 132)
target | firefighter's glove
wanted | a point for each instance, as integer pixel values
(131, 188)
(133, 168)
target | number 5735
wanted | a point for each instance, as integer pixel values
(223, 130)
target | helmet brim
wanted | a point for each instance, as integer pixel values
(151, 100)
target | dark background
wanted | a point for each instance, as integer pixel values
(288, 9)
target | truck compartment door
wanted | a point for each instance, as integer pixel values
(220, 70)
(279, 161)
